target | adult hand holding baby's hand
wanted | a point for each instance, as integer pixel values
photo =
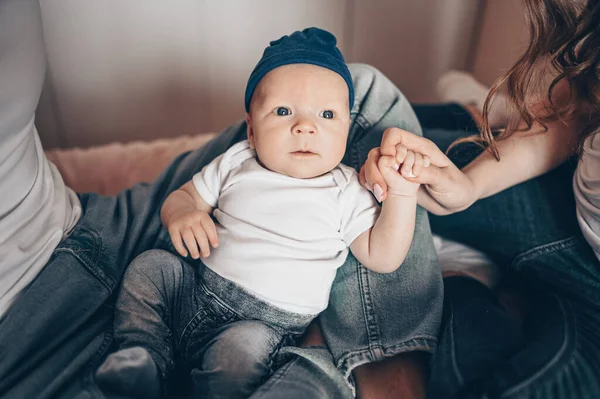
(446, 189)
(196, 229)
(394, 169)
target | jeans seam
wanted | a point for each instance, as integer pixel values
(106, 342)
(85, 264)
(516, 389)
(362, 126)
(362, 122)
(543, 250)
(214, 297)
(88, 370)
(211, 297)
(193, 323)
(272, 357)
(275, 378)
(95, 249)
(421, 343)
(455, 367)
(373, 333)
(355, 156)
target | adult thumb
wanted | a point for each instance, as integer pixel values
(431, 175)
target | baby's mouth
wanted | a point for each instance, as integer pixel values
(303, 153)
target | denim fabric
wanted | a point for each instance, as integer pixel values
(58, 332)
(301, 378)
(447, 116)
(372, 316)
(531, 229)
(221, 334)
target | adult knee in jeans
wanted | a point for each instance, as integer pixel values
(236, 361)
(363, 77)
(363, 72)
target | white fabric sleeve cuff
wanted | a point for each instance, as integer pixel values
(366, 220)
(203, 190)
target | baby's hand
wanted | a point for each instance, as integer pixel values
(399, 171)
(194, 228)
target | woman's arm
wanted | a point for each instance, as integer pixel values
(524, 155)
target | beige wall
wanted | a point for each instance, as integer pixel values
(140, 69)
(121, 71)
(414, 41)
(502, 38)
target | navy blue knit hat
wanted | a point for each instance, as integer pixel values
(311, 46)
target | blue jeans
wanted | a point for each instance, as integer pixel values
(60, 329)
(220, 334)
(532, 231)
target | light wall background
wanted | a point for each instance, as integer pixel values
(142, 69)
(500, 39)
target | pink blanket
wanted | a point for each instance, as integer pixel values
(110, 168)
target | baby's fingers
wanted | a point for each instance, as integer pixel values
(211, 231)
(374, 180)
(407, 166)
(394, 136)
(201, 239)
(190, 242)
(177, 242)
(387, 165)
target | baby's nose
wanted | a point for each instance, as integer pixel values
(304, 127)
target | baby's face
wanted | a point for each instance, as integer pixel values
(299, 120)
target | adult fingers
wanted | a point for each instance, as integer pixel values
(401, 152)
(393, 136)
(361, 177)
(431, 176)
(426, 161)
(418, 166)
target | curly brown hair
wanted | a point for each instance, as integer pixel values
(564, 44)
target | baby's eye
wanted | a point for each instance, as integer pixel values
(327, 114)
(282, 111)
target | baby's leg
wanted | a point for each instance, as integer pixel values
(234, 361)
(146, 309)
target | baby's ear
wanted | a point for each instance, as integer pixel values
(249, 130)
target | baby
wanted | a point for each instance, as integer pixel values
(287, 212)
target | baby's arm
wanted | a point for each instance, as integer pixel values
(187, 218)
(384, 247)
